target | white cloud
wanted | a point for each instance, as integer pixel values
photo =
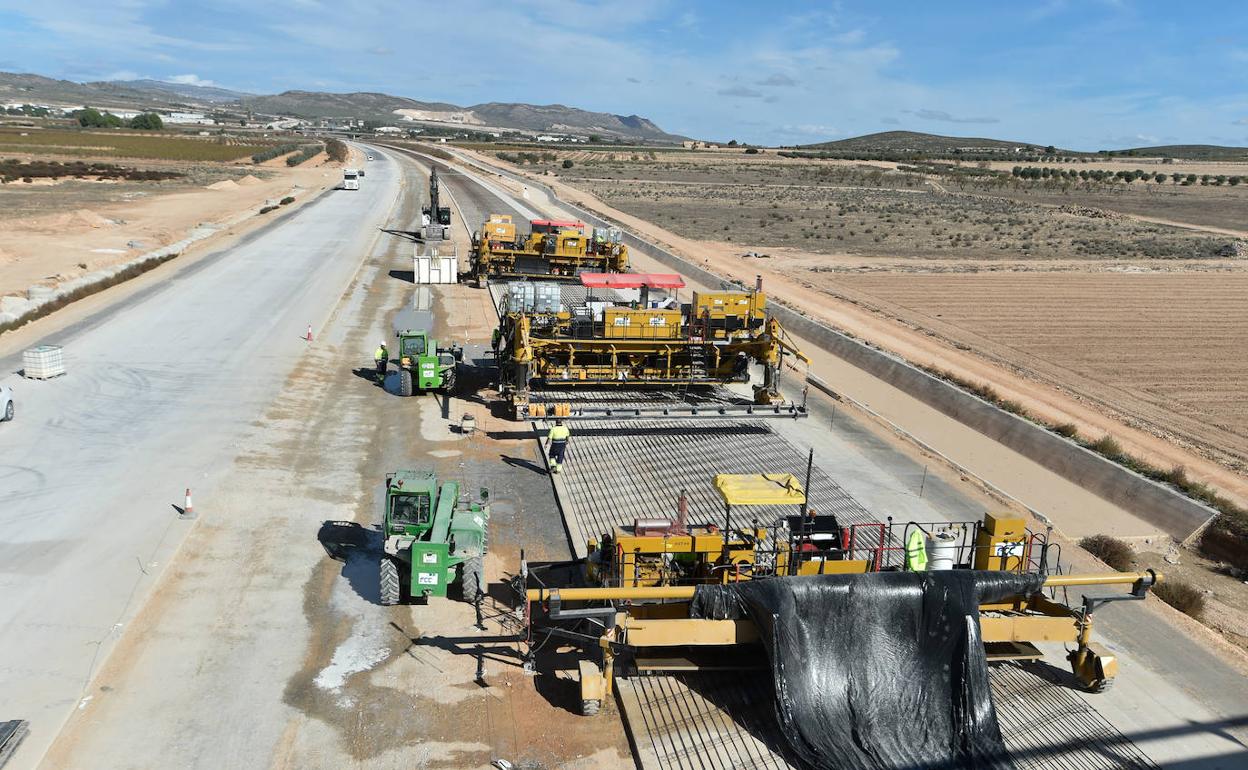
(190, 80)
(1240, 122)
(741, 91)
(778, 79)
(945, 117)
(123, 75)
(808, 130)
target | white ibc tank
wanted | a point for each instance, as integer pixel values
(942, 551)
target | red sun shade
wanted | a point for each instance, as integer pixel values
(632, 280)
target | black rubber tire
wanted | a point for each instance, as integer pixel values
(1100, 686)
(472, 579)
(590, 708)
(449, 380)
(388, 579)
(405, 383)
(8, 411)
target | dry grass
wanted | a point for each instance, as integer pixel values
(1114, 552)
(1181, 595)
(902, 221)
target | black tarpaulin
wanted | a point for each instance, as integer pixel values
(878, 670)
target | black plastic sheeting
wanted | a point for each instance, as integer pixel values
(878, 670)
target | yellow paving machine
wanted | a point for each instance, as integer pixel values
(552, 250)
(654, 341)
(642, 580)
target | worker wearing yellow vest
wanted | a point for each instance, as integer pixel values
(559, 436)
(916, 551)
(381, 358)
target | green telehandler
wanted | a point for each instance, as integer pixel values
(423, 366)
(433, 538)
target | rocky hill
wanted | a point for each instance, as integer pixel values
(385, 108)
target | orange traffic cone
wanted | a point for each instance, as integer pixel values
(308, 336)
(188, 509)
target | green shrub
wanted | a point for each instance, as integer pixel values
(267, 209)
(147, 121)
(289, 199)
(1108, 446)
(568, 163)
(337, 150)
(307, 153)
(1110, 550)
(1066, 429)
(93, 118)
(1182, 596)
(275, 151)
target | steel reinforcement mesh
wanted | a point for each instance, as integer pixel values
(617, 472)
(705, 721)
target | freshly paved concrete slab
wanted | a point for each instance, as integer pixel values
(158, 397)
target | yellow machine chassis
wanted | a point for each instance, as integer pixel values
(1008, 629)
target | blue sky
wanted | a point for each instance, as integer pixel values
(1084, 74)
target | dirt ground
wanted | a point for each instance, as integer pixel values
(54, 232)
(1160, 350)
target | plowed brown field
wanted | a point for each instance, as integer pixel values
(1165, 352)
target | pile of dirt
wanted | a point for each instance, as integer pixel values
(224, 184)
(249, 180)
(91, 219)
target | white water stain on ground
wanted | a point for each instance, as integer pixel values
(360, 652)
(445, 453)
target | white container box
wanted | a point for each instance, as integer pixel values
(43, 362)
(436, 268)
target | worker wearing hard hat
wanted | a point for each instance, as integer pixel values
(559, 436)
(381, 358)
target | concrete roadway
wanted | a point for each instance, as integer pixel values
(159, 392)
(1183, 704)
(241, 625)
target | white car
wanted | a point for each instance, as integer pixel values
(6, 403)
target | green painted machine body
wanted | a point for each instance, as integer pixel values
(434, 536)
(423, 366)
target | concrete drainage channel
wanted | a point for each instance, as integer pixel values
(1161, 506)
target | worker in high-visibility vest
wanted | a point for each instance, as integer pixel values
(559, 436)
(916, 551)
(381, 358)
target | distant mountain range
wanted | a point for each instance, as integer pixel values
(913, 141)
(155, 94)
(903, 142)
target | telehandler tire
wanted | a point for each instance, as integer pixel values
(405, 382)
(472, 579)
(391, 589)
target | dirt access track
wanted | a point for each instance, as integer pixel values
(1054, 398)
(73, 234)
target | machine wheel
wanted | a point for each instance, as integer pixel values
(391, 590)
(472, 579)
(1100, 686)
(8, 411)
(590, 708)
(405, 382)
(448, 381)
